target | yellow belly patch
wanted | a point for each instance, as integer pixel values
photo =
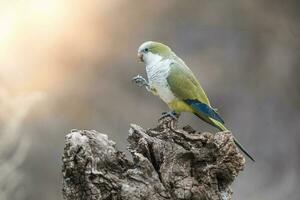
(179, 106)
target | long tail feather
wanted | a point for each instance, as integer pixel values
(221, 127)
(243, 149)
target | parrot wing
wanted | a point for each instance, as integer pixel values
(204, 109)
(185, 86)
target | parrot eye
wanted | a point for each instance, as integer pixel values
(146, 49)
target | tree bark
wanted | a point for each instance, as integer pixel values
(168, 163)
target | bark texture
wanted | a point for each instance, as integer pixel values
(168, 163)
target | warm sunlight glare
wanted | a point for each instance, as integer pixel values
(40, 40)
(7, 23)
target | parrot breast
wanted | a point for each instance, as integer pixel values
(157, 76)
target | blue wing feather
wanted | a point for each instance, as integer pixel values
(204, 109)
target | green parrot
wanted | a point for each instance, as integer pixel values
(171, 79)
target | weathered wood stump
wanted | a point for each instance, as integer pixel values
(168, 163)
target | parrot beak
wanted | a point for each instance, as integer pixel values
(140, 57)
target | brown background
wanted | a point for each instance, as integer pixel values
(68, 64)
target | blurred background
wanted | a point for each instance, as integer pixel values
(68, 64)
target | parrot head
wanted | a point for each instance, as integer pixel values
(151, 52)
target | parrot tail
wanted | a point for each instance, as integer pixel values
(221, 127)
(243, 149)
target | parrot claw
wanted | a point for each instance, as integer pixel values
(172, 114)
(140, 81)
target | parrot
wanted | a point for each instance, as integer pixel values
(172, 80)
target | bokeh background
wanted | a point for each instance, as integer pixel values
(68, 64)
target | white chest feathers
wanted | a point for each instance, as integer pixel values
(157, 76)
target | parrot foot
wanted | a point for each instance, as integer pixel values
(140, 81)
(172, 114)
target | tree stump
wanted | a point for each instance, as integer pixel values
(168, 163)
